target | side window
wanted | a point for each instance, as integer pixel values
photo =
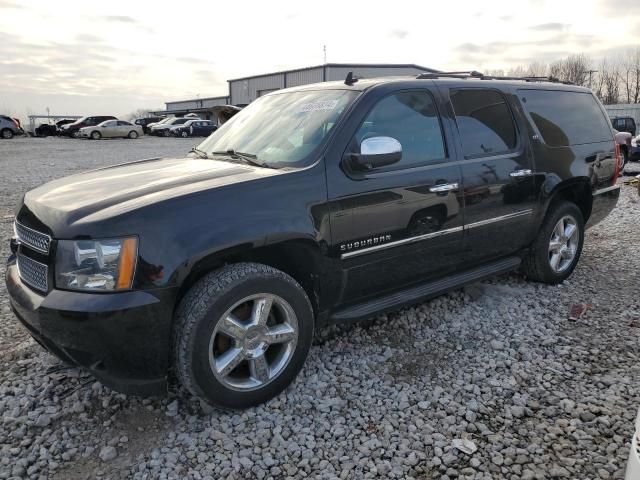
(110, 124)
(566, 118)
(411, 118)
(485, 122)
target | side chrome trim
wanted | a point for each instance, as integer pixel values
(498, 219)
(607, 189)
(426, 236)
(404, 241)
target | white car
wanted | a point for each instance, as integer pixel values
(111, 129)
(633, 466)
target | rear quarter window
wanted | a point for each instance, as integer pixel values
(566, 118)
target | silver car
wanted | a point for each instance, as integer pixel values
(9, 127)
(111, 129)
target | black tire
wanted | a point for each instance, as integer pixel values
(184, 134)
(201, 310)
(166, 133)
(133, 135)
(6, 133)
(95, 135)
(537, 264)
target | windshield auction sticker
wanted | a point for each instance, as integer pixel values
(320, 105)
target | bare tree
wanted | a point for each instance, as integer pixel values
(630, 76)
(140, 112)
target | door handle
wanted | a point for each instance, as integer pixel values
(444, 187)
(521, 173)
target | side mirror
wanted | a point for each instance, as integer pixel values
(377, 152)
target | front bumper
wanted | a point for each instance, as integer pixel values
(123, 339)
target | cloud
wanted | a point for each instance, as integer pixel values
(550, 27)
(620, 8)
(398, 34)
(120, 19)
(88, 38)
(6, 4)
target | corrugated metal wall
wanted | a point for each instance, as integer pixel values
(213, 102)
(340, 73)
(624, 110)
(304, 77)
(197, 103)
(247, 90)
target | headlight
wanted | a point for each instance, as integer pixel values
(102, 265)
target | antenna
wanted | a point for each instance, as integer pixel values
(350, 80)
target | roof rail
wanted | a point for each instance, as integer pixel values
(480, 76)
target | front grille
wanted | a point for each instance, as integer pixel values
(29, 237)
(33, 273)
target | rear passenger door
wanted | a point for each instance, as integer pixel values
(498, 174)
(399, 224)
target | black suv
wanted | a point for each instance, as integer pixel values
(144, 122)
(72, 129)
(624, 124)
(324, 203)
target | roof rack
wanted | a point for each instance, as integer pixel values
(480, 76)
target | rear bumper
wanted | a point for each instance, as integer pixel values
(123, 339)
(604, 200)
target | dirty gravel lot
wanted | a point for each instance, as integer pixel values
(497, 367)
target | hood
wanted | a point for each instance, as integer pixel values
(97, 195)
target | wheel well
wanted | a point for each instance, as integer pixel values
(297, 258)
(577, 192)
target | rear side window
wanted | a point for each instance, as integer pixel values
(411, 118)
(485, 122)
(566, 118)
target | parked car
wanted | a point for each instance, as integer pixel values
(112, 129)
(146, 122)
(72, 129)
(633, 465)
(51, 129)
(10, 127)
(164, 128)
(624, 124)
(315, 204)
(194, 128)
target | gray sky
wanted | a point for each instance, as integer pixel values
(117, 56)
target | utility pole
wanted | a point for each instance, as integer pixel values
(324, 49)
(591, 72)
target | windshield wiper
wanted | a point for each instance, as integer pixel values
(200, 153)
(249, 158)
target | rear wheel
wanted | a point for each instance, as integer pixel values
(556, 250)
(7, 133)
(242, 334)
(96, 135)
(133, 134)
(166, 133)
(184, 134)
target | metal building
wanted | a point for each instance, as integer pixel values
(624, 110)
(243, 91)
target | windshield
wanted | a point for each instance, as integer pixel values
(283, 129)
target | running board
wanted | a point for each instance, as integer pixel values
(423, 292)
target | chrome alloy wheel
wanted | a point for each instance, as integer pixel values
(253, 342)
(563, 243)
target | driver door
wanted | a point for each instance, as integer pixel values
(401, 223)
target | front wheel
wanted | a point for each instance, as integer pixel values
(96, 135)
(167, 133)
(7, 133)
(242, 334)
(556, 250)
(133, 134)
(184, 134)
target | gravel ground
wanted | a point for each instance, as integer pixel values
(490, 382)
